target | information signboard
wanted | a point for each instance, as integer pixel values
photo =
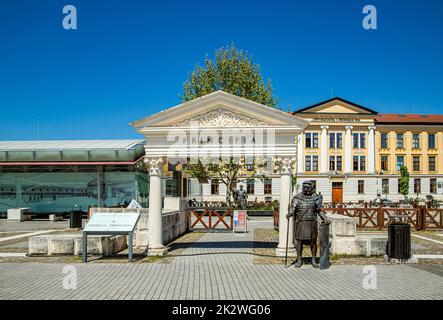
(110, 224)
(240, 221)
(114, 222)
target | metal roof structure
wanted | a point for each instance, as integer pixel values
(78, 152)
(69, 144)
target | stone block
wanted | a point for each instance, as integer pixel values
(55, 217)
(348, 246)
(142, 238)
(38, 245)
(101, 244)
(59, 244)
(342, 226)
(19, 214)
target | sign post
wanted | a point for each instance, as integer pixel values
(110, 224)
(240, 221)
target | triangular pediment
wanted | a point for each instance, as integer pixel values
(220, 109)
(336, 106)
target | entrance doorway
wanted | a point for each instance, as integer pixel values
(337, 192)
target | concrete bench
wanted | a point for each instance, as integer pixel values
(19, 214)
(71, 244)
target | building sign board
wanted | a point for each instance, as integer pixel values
(240, 221)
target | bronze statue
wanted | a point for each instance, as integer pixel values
(306, 207)
(240, 197)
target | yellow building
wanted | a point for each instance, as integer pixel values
(352, 153)
(414, 141)
(337, 150)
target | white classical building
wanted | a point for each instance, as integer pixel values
(219, 124)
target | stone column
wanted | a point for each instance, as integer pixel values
(324, 149)
(155, 223)
(348, 149)
(285, 165)
(371, 150)
(300, 153)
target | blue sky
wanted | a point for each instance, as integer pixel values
(129, 59)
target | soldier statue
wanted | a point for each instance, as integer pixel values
(306, 207)
(240, 197)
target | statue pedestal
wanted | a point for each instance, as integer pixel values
(345, 240)
(281, 252)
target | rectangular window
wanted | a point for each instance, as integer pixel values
(400, 141)
(311, 163)
(308, 165)
(361, 186)
(332, 163)
(416, 163)
(417, 185)
(399, 185)
(355, 163)
(359, 140)
(315, 140)
(268, 186)
(433, 185)
(385, 186)
(335, 140)
(250, 187)
(314, 163)
(359, 163)
(335, 163)
(314, 185)
(339, 164)
(431, 141)
(311, 139)
(339, 140)
(400, 162)
(214, 186)
(362, 163)
(431, 163)
(331, 140)
(362, 140)
(384, 163)
(416, 141)
(384, 140)
(355, 140)
(308, 140)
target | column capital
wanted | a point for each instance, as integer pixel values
(324, 127)
(155, 165)
(285, 164)
(349, 127)
(371, 127)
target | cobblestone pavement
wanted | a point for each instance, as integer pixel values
(216, 266)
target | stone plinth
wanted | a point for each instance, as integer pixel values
(71, 244)
(345, 240)
(19, 214)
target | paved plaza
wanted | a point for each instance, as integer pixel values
(216, 266)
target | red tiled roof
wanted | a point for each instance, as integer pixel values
(409, 118)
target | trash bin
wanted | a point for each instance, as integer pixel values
(399, 241)
(75, 219)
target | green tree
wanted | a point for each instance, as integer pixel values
(404, 181)
(228, 172)
(231, 71)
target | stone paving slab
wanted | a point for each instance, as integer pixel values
(217, 266)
